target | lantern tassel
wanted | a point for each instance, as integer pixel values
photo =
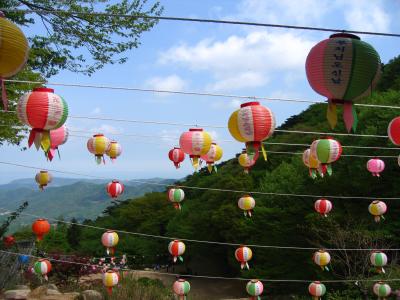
(45, 140)
(215, 169)
(246, 170)
(349, 116)
(180, 258)
(50, 154)
(109, 290)
(329, 169)
(58, 152)
(249, 213)
(264, 152)
(175, 259)
(176, 165)
(331, 113)
(98, 159)
(46, 278)
(209, 167)
(4, 94)
(195, 162)
(377, 219)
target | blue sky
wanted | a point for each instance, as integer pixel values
(213, 58)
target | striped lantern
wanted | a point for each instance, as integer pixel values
(344, 69)
(14, 51)
(254, 288)
(213, 155)
(110, 239)
(394, 131)
(379, 260)
(176, 248)
(177, 156)
(114, 150)
(43, 178)
(311, 162)
(243, 254)
(8, 241)
(195, 143)
(40, 228)
(245, 161)
(110, 279)
(58, 137)
(42, 267)
(323, 206)
(181, 288)
(326, 151)
(98, 145)
(322, 258)
(114, 189)
(247, 204)
(317, 290)
(252, 124)
(376, 166)
(382, 290)
(377, 208)
(43, 111)
(176, 196)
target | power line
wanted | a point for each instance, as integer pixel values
(197, 20)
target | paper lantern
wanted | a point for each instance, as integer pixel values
(247, 204)
(344, 69)
(58, 137)
(14, 50)
(177, 156)
(114, 150)
(323, 206)
(243, 254)
(254, 288)
(322, 258)
(43, 111)
(316, 290)
(382, 290)
(110, 279)
(252, 124)
(377, 209)
(394, 131)
(195, 143)
(176, 196)
(110, 239)
(176, 248)
(246, 161)
(181, 288)
(23, 259)
(375, 166)
(326, 151)
(311, 162)
(42, 267)
(8, 241)
(98, 145)
(40, 228)
(379, 260)
(43, 178)
(114, 189)
(213, 155)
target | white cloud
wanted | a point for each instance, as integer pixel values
(172, 82)
(106, 129)
(96, 111)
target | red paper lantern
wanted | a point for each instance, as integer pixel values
(115, 188)
(177, 156)
(394, 131)
(9, 240)
(40, 228)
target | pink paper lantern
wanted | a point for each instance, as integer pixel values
(375, 166)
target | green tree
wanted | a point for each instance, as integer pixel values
(7, 222)
(74, 233)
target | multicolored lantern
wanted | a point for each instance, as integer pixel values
(110, 239)
(394, 131)
(8, 241)
(115, 188)
(40, 228)
(326, 151)
(110, 279)
(177, 156)
(317, 290)
(382, 290)
(213, 155)
(176, 248)
(252, 124)
(181, 288)
(176, 196)
(377, 208)
(243, 254)
(196, 143)
(43, 178)
(42, 267)
(375, 166)
(344, 69)
(114, 150)
(43, 111)
(311, 162)
(247, 204)
(14, 52)
(58, 137)
(323, 206)
(245, 161)
(255, 288)
(98, 145)
(379, 260)
(322, 258)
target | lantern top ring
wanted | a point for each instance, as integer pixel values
(250, 103)
(43, 89)
(344, 35)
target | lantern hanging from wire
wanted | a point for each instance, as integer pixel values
(317, 290)
(213, 155)
(98, 145)
(110, 280)
(176, 248)
(43, 178)
(247, 204)
(379, 260)
(110, 240)
(114, 150)
(58, 137)
(377, 208)
(195, 142)
(115, 189)
(322, 258)
(40, 228)
(176, 196)
(254, 288)
(181, 288)
(311, 162)
(245, 161)
(382, 290)
(243, 255)
(323, 206)
(326, 151)
(177, 156)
